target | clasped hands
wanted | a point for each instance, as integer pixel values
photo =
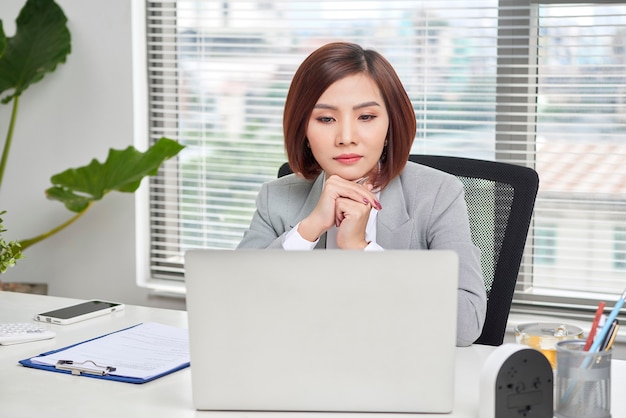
(345, 204)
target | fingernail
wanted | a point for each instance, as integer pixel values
(367, 202)
(378, 205)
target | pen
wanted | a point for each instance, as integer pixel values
(609, 335)
(613, 335)
(594, 326)
(604, 331)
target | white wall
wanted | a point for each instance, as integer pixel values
(73, 115)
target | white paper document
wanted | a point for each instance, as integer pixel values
(143, 351)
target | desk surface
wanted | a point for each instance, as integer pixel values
(26, 392)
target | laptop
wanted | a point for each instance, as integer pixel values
(333, 330)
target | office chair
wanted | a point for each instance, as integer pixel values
(500, 201)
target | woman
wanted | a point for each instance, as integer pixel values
(349, 126)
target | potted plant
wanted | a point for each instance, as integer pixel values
(41, 43)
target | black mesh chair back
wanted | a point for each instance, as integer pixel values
(500, 201)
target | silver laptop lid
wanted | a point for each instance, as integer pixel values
(330, 330)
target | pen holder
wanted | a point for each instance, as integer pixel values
(583, 381)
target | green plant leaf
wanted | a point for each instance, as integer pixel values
(41, 42)
(3, 40)
(10, 252)
(122, 171)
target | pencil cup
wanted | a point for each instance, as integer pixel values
(583, 381)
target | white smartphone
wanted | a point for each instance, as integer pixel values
(79, 312)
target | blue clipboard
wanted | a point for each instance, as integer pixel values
(93, 370)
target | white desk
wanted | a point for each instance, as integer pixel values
(26, 392)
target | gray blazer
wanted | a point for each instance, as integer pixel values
(423, 208)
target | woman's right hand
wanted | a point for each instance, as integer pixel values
(324, 216)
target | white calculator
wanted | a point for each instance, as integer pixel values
(22, 332)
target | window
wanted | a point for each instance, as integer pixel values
(541, 84)
(579, 152)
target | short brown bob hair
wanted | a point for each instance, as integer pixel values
(317, 72)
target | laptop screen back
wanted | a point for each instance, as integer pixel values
(329, 330)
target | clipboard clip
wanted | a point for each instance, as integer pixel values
(85, 367)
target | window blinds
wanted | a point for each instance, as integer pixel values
(539, 84)
(577, 244)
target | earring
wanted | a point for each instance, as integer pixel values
(383, 156)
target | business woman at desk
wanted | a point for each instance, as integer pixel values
(348, 127)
